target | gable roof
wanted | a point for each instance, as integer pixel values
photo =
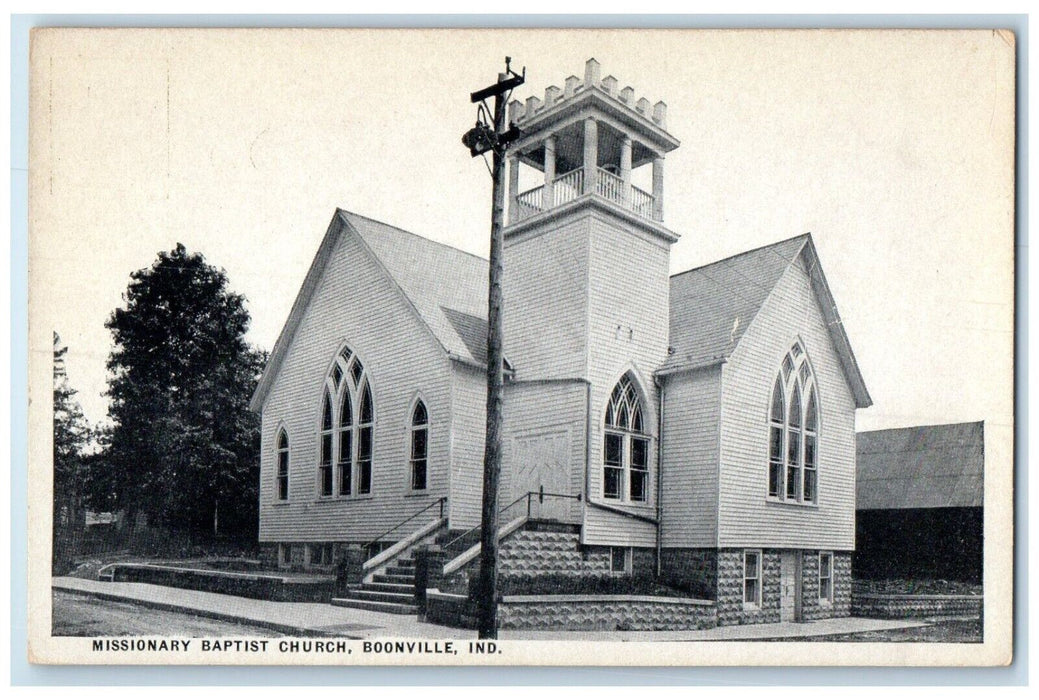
(926, 466)
(443, 283)
(712, 307)
(418, 267)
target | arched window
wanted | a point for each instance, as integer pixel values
(793, 422)
(346, 434)
(283, 466)
(419, 446)
(625, 446)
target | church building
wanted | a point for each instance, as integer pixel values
(696, 427)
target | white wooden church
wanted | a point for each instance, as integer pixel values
(698, 427)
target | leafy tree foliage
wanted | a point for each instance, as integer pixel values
(71, 437)
(183, 447)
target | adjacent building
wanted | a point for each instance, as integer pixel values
(920, 503)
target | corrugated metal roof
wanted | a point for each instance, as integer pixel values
(712, 306)
(436, 279)
(926, 466)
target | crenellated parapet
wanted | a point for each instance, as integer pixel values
(521, 112)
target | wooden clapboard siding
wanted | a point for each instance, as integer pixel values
(546, 302)
(547, 408)
(468, 427)
(689, 496)
(628, 287)
(354, 302)
(746, 518)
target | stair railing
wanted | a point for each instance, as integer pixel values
(440, 502)
(529, 496)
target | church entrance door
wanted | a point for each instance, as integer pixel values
(541, 465)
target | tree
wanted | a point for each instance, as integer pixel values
(71, 437)
(183, 447)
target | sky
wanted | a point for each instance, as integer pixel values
(894, 149)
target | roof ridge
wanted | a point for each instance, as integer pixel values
(412, 233)
(917, 427)
(806, 234)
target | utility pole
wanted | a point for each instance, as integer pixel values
(482, 138)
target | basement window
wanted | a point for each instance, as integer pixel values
(620, 560)
(826, 577)
(752, 578)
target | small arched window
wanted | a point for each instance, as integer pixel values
(793, 426)
(283, 466)
(346, 431)
(625, 445)
(419, 446)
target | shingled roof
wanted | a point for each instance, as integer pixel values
(445, 286)
(712, 307)
(926, 466)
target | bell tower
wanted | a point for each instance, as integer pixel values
(586, 251)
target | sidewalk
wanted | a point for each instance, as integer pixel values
(319, 619)
(298, 619)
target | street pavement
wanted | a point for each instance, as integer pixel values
(320, 619)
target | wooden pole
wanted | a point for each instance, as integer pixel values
(487, 583)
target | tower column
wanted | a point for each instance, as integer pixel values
(513, 189)
(658, 188)
(591, 155)
(548, 196)
(626, 171)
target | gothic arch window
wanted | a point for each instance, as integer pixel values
(793, 427)
(283, 466)
(419, 443)
(625, 445)
(346, 428)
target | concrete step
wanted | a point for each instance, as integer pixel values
(394, 578)
(382, 596)
(400, 570)
(396, 608)
(390, 587)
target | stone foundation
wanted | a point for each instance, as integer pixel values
(729, 597)
(902, 607)
(576, 612)
(812, 608)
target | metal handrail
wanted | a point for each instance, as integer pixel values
(540, 493)
(439, 502)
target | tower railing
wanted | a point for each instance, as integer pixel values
(610, 186)
(642, 202)
(570, 185)
(567, 187)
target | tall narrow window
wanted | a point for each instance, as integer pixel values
(752, 577)
(326, 446)
(347, 422)
(346, 449)
(793, 431)
(419, 446)
(826, 576)
(625, 446)
(283, 466)
(364, 442)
